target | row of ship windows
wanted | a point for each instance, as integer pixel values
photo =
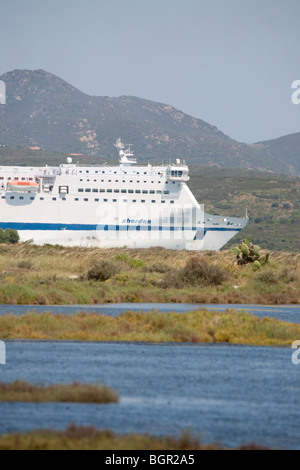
(131, 181)
(87, 199)
(122, 191)
(16, 178)
(115, 172)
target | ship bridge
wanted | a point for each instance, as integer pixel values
(178, 171)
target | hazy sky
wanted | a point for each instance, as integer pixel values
(228, 62)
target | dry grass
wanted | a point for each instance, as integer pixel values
(89, 438)
(62, 275)
(22, 391)
(200, 326)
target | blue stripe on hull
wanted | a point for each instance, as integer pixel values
(91, 227)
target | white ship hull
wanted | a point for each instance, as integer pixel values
(126, 205)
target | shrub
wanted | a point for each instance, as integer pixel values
(196, 272)
(101, 271)
(9, 236)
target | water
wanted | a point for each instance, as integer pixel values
(230, 394)
(290, 313)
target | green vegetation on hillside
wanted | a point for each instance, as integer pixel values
(272, 201)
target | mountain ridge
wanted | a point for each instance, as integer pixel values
(43, 110)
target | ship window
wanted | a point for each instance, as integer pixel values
(123, 191)
(145, 191)
(115, 172)
(130, 191)
(88, 180)
(101, 190)
(116, 181)
(96, 200)
(143, 200)
(152, 191)
(179, 173)
(85, 199)
(158, 191)
(134, 200)
(116, 190)
(95, 190)
(21, 197)
(153, 201)
(124, 200)
(81, 179)
(2, 197)
(1, 178)
(80, 190)
(87, 190)
(137, 181)
(137, 191)
(172, 202)
(30, 179)
(63, 199)
(163, 202)
(173, 182)
(95, 181)
(54, 199)
(80, 171)
(9, 178)
(32, 198)
(114, 200)
(109, 190)
(104, 200)
(166, 192)
(76, 199)
(87, 171)
(109, 181)
(41, 198)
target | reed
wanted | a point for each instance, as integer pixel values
(200, 326)
(88, 438)
(22, 391)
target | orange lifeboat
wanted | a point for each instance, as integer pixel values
(22, 186)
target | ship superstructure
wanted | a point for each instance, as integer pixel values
(110, 206)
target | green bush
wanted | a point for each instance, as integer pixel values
(9, 236)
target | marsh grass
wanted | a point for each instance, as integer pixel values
(88, 438)
(22, 391)
(200, 326)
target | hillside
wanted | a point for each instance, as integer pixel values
(272, 201)
(43, 110)
(285, 151)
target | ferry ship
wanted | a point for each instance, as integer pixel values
(110, 206)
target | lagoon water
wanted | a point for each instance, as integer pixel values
(230, 394)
